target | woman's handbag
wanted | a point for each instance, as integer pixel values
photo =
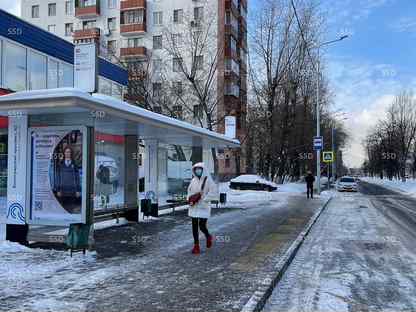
(193, 199)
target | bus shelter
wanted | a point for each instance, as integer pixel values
(71, 154)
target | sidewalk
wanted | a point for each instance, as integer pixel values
(149, 267)
(354, 259)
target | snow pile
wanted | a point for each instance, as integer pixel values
(293, 188)
(408, 187)
(9, 247)
(251, 178)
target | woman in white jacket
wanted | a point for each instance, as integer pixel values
(201, 191)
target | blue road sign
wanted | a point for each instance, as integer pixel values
(318, 143)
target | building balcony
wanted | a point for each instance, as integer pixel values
(90, 11)
(136, 52)
(230, 6)
(243, 23)
(132, 4)
(232, 104)
(243, 85)
(90, 33)
(230, 53)
(243, 3)
(132, 29)
(231, 30)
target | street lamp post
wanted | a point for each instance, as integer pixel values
(318, 117)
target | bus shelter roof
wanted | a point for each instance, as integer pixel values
(112, 115)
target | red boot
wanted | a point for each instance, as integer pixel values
(210, 239)
(196, 250)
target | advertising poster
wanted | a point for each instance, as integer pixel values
(57, 181)
(85, 67)
(16, 169)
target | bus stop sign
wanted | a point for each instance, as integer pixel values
(328, 157)
(318, 143)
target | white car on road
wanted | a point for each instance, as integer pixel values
(347, 184)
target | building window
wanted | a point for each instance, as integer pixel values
(112, 4)
(177, 64)
(232, 88)
(177, 112)
(69, 28)
(52, 28)
(233, 44)
(37, 77)
(69, 8)
(157, 89)
(198, 112)
(178, 16)
(132, 17)
(199, 62)
(112, 46)
(88, 24)
(52, 9)
(176, 39)
(158, 18)
(15, 67)
(134, 42)
(231, 20)
(232, 66)
(157, 42)
(52, 74)
(198, 13)
(35, 11)
(112, 23)
(66, 76)
(157, 65)
(87, 3)
(177, 87)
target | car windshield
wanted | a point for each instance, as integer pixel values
(347, 180)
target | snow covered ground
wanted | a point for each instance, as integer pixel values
(408, 187)
(162, 273)
(355, 259)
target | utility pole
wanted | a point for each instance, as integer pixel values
(318, 117)
(318, 128)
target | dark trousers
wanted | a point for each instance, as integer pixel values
(202, 226)
(309, 190)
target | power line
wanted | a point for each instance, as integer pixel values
(302, 34)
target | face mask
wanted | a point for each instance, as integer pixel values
(198, 172)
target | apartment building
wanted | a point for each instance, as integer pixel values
(134, 33)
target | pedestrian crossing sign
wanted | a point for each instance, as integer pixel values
(328, 157)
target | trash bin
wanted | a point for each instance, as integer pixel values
(78, 237)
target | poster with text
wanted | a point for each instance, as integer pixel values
(57, 168)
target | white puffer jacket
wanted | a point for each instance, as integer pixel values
(203, 208)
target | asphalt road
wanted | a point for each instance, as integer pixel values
(360, 256)
(149, 267)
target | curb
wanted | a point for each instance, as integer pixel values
(258, 300)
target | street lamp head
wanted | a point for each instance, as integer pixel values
(343, 37)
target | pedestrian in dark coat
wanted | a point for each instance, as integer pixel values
(309, 179)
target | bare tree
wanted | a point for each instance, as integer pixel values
(195, 57)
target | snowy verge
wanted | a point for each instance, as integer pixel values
(408, 187)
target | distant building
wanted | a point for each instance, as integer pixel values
(131, 31)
